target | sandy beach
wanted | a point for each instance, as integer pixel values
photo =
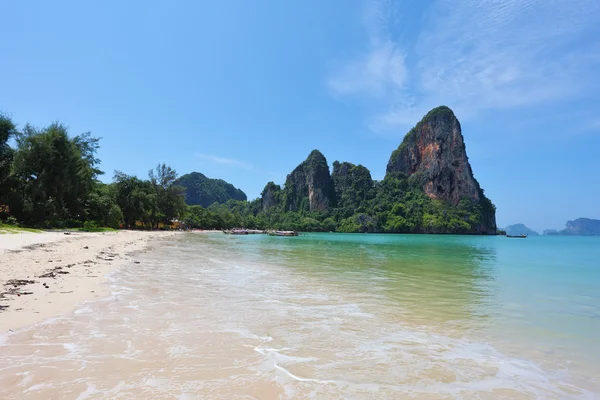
(324, 316)
(43, 275)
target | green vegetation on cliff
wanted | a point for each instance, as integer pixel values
(428, 188)
(50, 180)
(353, 186)
(434, 154)
(204, 191)
(438, 113)
(395, 205)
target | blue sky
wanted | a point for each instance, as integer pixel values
(244, 90)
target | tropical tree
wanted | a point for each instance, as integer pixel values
(53, 175)
(197, 217)
(7, 129)
(170, 198)
(102, 207)
(136, 199)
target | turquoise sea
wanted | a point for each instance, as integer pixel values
(339, 316)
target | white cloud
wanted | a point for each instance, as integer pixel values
(223, 161)
(379, 72)
(491, 54)
(591, 125)
(473, 55)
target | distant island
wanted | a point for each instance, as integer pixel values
(550, 232)
(519, 229)
(578, 227)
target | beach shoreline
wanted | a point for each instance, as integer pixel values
(327, 316)
(44, 275)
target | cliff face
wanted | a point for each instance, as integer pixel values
(309, 186)
(578, 227)
(435, 150)
(583, 226)
(429, 188)
(352, 184)
(270, 195)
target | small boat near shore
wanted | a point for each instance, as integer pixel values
(282, 233)
(523, 236)
(240, 231)
(235, 231)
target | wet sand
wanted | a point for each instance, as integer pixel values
(43, 275)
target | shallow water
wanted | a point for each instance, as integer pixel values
(328, 316)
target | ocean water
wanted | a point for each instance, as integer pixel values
(327, 316)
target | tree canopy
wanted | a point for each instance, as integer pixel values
(50, 179)
(52, 174)
(7, 130)
(204, 191)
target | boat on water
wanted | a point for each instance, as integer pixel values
(240, 231)
(235, 231)
(522, 236)
(282, 233)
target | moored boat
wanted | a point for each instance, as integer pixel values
(235, 231)
(523, 236)
(282, 233)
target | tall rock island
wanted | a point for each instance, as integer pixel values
(429, 187)
(309, 186)
(270, 196)
(435, 151)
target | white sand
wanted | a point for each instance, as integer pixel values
(12, 241)
(87, 257)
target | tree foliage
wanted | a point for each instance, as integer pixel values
(51, 180)
(7, 130)
(52, 174)
(102, 207)
(169, 197)
(204, 191)
(396, 204)
(136, 199)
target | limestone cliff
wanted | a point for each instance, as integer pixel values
(434, 150)
(309, 186)
(352, 184)
(578, 227)
(582, 227)
(270, 195)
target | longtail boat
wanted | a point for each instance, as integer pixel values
(235, 231)
(282, 233)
